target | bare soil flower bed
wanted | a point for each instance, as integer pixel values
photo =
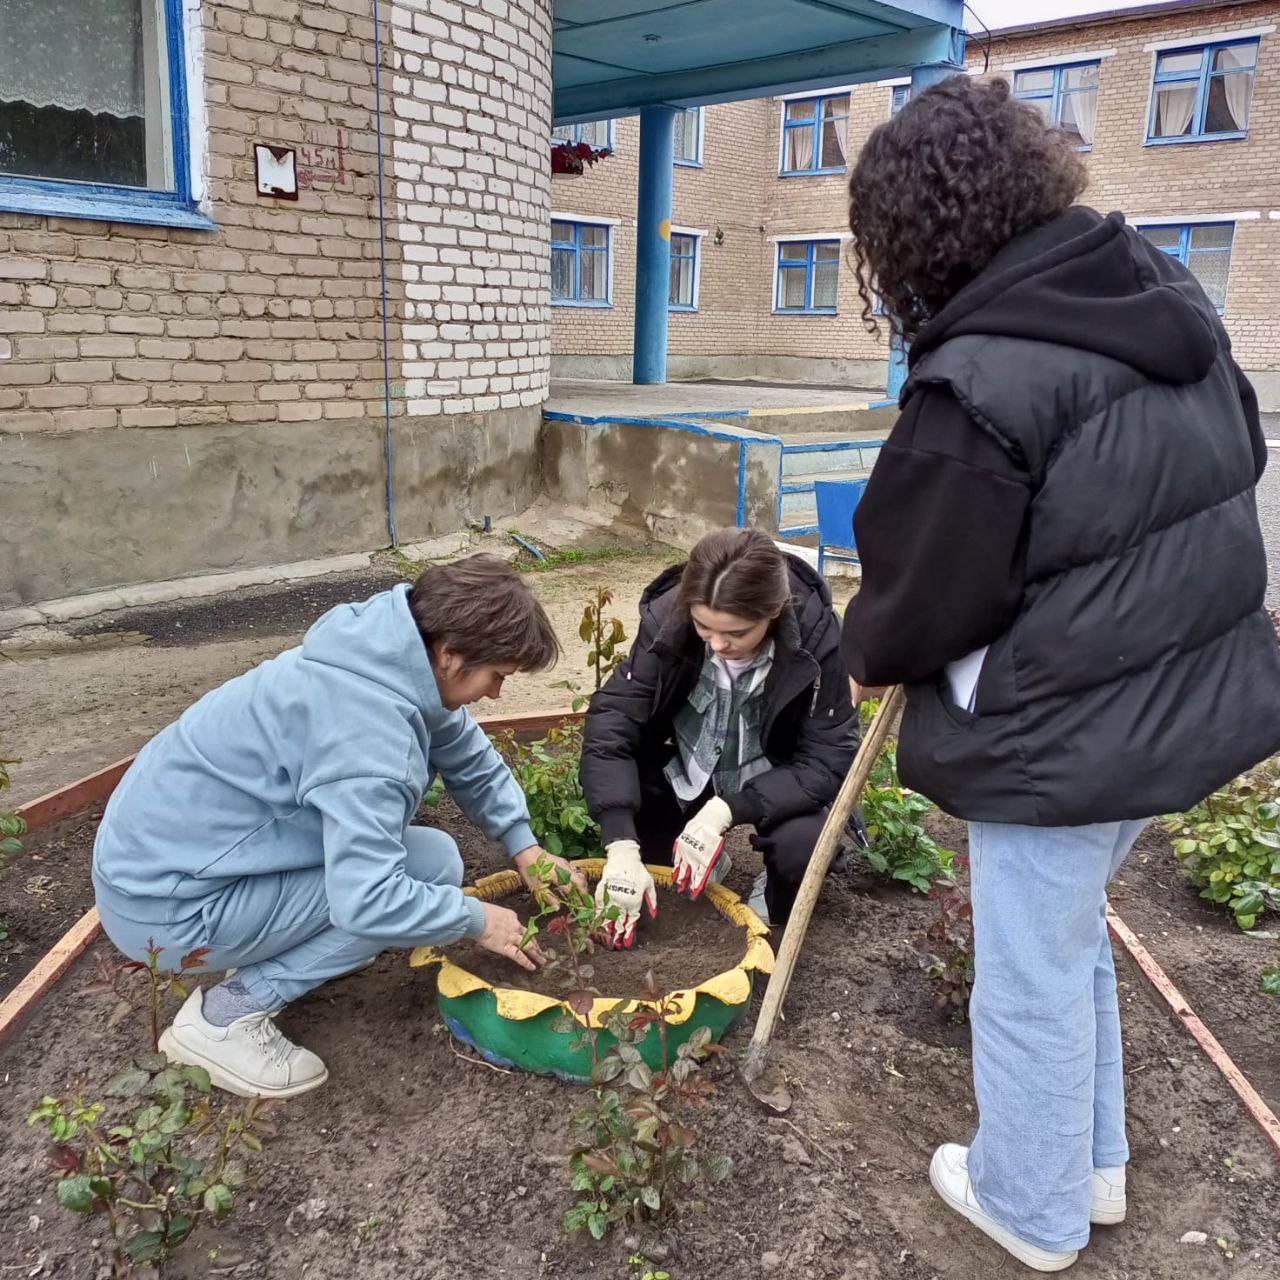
(418, 1161)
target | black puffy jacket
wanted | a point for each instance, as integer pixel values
(1139, 670)
(810, 728)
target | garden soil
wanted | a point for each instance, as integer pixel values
(419, 1162)
(684, 945)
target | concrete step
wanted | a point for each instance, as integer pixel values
(799, 522)
(796, 494)
(831, 455)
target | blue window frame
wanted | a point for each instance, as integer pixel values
(688, 138)
(595, 133)
(808, 277)
(1203, 93)
(1067, 94)
(899, 99)
(1204, 248)
(684, 272)
(813, 135)
(104, 135)
(579, 264)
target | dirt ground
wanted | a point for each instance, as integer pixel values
(460, 1167)
(104, 687)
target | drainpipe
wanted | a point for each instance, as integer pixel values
(382, 255)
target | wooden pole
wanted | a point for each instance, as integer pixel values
(811, 886)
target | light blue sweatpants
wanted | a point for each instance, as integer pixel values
(274, 928)
(1045, 1018)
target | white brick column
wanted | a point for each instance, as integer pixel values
(469, 200)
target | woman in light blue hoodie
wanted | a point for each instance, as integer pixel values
(271, 822)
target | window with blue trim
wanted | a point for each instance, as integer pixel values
(808, 276)
(1203, 92)
(688, 138)
(93, 111)
(1068, 96)
(684, 273)
(813, 135)
(1204, 248)
(901, 95)
(579, 264)
(595, 133)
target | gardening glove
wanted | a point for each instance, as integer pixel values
(628, 883)
(699, 846)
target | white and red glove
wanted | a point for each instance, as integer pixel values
(699, 846)
(629, 885)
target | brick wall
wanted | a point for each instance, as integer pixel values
(276, 315)
(740, 188)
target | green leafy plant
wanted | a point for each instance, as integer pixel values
(116, 977)
(603, 640)
(899, 847)
(570, 920)
(945, 949)
(636, 1161)
(1270, 980)
(1228, 846)
(547, 771)
(173, 1161)
(12, 827)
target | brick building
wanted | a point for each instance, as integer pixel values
(192, 373)
(1177, 104)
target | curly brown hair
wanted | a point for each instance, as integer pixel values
(938, 190)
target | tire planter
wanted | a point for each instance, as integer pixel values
(514, 1028)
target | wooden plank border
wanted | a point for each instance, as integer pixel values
(1253, 1102)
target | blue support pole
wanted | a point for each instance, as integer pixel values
(921, 79)
(653, 243)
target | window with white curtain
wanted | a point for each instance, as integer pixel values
(1204, 248)
(808, 274)
(814, 135)
(93, 113)
(683, 295)
(580, 274)
(595, 133)
(1067, 94)
(687, 146)
(1203, 92)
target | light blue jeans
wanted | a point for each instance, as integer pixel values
(1045, 1018)
(274, 928)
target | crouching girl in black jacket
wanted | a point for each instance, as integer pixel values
(732, 708)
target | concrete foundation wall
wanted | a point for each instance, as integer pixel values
(89, 510)
(678, 484)
(731, 368)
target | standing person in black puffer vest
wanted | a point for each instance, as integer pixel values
(733, 707)
(1062, 562)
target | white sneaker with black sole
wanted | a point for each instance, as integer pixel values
(949, 1173)
(250, 1058)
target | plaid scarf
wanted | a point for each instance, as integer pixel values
(718, 730)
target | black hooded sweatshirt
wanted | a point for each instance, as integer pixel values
(942, 526)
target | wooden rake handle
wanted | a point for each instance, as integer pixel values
(811, 886)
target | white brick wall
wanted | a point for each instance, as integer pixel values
(471, 200)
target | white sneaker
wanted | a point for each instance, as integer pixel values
(949, 1173)
(250, 1058)
(1109, 1204)
(757, 901)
